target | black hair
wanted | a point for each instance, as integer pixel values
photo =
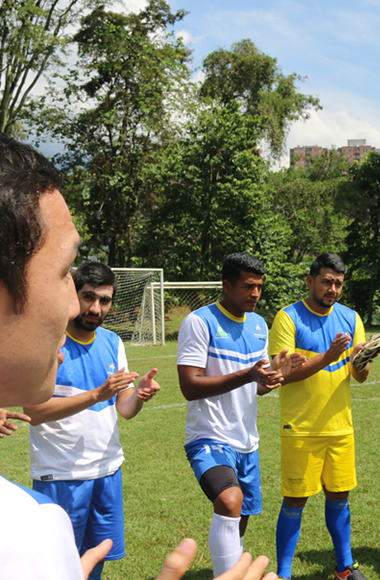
(96, 274)
(25, 175)
(331, 261)
(234, 264)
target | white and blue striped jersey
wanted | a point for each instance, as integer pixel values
(85, 445)
(213, 339)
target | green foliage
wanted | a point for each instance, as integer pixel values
(304, 223)
(360, 199)
(116, 113)
(254, 79)
(33, 37)
(209, 196)
(306, 202)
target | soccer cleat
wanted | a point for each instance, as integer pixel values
(365, 354)
(350, 573)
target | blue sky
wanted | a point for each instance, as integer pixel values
(334, 43)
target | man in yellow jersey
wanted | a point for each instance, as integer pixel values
(317, 439)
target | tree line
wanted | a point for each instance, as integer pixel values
(161, 171)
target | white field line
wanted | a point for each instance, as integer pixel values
(273, 395)
(159, 407)
(153, 357)
(163, 407)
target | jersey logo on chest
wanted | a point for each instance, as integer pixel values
(221, 333)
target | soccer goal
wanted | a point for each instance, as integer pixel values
(181, 298)
(137, 314)
(148, 311)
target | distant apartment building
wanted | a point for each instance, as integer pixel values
(303, 156)
(356, 150)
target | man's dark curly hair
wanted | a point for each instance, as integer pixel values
(327, 260)
(95, 274)
(234, 264)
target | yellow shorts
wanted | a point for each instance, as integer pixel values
(308, 463)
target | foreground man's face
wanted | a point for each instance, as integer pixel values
(30, 342)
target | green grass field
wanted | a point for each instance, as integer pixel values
(163, 502)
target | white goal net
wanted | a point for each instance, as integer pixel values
(137, 311)
(181, 298)
(148, 311)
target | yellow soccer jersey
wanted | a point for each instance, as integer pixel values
(321, 404)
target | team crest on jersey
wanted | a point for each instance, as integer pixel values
(112, 367)
(258, 327)
(221, 333)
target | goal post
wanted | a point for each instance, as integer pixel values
(137, 313)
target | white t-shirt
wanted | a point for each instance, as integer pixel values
(36, 539)
(212, 339)
(85, 445)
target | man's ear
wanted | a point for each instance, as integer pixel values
(309, 281)
(226, 286)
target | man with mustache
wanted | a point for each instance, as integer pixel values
(75, 450)
(317, 439)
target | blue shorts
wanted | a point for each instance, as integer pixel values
(203, 454)
(95, 507)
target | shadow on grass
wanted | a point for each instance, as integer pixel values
(325, 559)
(205, 574)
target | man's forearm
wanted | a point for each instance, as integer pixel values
(60, 407)
(198, 386)
(360, 377)
(128, 404)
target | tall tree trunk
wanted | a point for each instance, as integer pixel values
(372, 289)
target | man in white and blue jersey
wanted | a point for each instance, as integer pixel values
(74, 439)
(222, 365)
(317, 435)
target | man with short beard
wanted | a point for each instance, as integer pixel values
(74, 440)
(317, 435)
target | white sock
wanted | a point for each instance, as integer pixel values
(224, 543)
(241, 545)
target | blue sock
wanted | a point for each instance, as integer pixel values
(337, 513)
(288, 532)
(97, 571)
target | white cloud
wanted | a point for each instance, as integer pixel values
(187, 37)
(345, 116)
(329, 128)
(333, 127)
(129, 5)
(199, 77)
